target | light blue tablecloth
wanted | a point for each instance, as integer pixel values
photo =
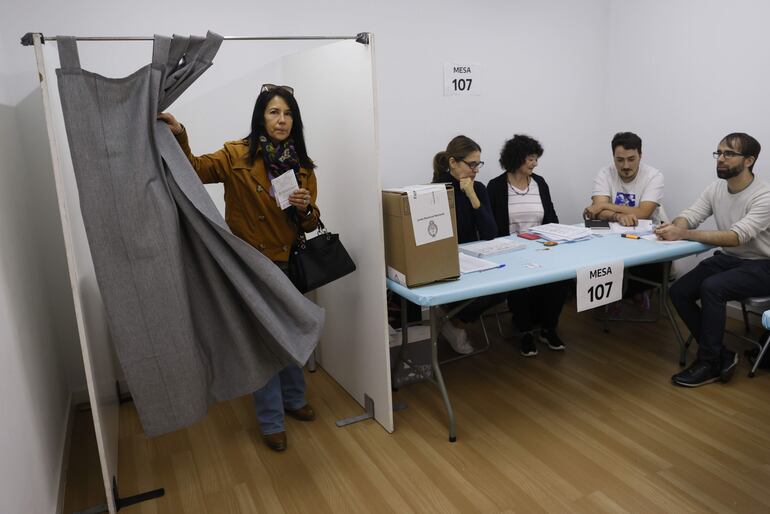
(557, 263)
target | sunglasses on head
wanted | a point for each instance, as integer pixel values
(272, 87)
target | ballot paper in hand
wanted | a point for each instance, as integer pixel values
(284, 185)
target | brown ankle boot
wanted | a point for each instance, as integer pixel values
(276, 442)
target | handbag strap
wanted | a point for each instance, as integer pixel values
(301, 237)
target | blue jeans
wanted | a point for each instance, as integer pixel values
(286, 390)
(714, 282)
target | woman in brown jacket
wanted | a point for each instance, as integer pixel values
(246, 167)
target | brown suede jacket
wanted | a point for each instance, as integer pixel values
(250, 212)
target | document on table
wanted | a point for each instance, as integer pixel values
(653, 237)
(493, 247)
(470, 264)
(642, 227)
(284, 185)
(561, 233)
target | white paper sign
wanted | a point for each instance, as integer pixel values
(431, 217)
(284, 185)
(462, 79)
(599, 285)
(396, 276)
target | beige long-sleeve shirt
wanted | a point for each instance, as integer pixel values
(746, 213)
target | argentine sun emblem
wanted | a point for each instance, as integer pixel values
(432, 228)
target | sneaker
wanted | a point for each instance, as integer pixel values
(729, 363)
(699, 373)
(407, 372)
(552, 339)
(457, 337)
(528, 348)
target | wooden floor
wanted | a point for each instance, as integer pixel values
(598, 428)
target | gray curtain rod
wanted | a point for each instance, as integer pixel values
(363, 38)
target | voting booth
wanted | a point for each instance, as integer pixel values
(354, 346)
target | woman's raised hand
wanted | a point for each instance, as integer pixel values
(466, 185)
(175, 126)
(300, 198)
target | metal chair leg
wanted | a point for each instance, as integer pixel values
(745, 313)
(760, 356)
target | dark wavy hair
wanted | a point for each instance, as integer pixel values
(258, 126)
(459, 148)
(745, 144)
(627, 140)
(516, 150)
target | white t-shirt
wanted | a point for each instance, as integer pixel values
(525, 208)
(647, 186)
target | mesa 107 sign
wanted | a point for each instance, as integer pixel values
(599, 285)
(462, 79)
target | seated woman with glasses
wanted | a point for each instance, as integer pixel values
(458, 165)
(276, 145)
(520, 200)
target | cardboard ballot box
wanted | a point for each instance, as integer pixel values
(430, 254)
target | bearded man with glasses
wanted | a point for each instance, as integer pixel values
(740, 204)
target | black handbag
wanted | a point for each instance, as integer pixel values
(318, 261)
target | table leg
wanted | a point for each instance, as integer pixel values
(434, 329)
(404, 331)
(670, 314)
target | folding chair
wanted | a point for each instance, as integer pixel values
(763, 345)
(757, 305)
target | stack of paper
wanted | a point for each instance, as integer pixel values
(493, 247)
(561, 233)
(642, 227)
(470, 264)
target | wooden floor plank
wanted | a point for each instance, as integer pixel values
(597, 428)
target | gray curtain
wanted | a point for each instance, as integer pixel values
(196, 314)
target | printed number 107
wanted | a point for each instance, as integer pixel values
(598, 292)
(462, 84)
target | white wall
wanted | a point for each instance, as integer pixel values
(684, 74)
(34, 391)
(543, 64)
(45, 223)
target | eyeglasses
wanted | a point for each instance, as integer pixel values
(727, 154)
(474, 165)
(273, 87)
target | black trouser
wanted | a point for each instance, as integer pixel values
(476, 308)
(538, 305)
(714, 282)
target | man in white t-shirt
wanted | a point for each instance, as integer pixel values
(627, 190)
(740, 204)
